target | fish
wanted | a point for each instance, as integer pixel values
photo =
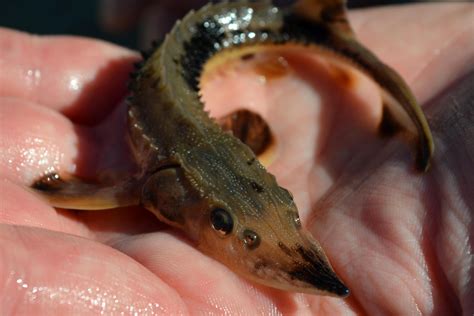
(207, 182)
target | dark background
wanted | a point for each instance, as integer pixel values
(81, 18)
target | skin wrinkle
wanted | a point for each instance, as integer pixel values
(430, 225)
(439, 274)
(397, 284)
(396, 261)
(456, 143)
(452, 124)
(448, 221)
(456, 129)
(435, 275)
(402, 280)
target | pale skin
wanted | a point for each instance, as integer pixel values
(400, 240)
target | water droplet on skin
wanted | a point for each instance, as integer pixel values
(33, 77)
(74, 83)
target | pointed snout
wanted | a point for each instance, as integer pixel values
(301, 265)
(315, 271)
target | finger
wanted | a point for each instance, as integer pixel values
(29, 142)
(31, 147)
(82, 78)
(19, 207)
(44, 271)
(36, 140)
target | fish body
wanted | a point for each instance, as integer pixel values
(198, 178)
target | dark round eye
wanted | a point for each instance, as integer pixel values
(251, 239)
(222, 221)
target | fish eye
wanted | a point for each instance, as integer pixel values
(251, 239)
(221, 221)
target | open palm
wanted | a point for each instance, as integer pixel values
(400, 240)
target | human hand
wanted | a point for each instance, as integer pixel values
(400, 240)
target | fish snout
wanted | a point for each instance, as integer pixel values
(312, 269)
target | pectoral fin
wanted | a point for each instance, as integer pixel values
(75, 193)
(169, 194)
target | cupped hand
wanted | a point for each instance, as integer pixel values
(401, 241)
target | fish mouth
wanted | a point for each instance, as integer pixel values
(316, 271)
(299, 269)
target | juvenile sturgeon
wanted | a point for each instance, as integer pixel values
(208, 183)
